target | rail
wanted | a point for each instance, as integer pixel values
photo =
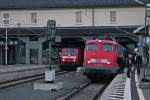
(79, 92)
(27, 79)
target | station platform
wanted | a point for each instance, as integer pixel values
(16, 72)
(143, 87)
(123, 88)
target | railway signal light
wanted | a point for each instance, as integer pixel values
(51, 30)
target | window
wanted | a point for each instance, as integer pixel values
(70, 51)
(33, 56)
(33, 18)
(22, 52)
(148, 13)
(66, 52)
(78, 17)
(107, 47)
(112, 16)
(6, 18)
(119, 49)
(90, 47)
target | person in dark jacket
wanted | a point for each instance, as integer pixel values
(138, 62)
(129, 64)
(121, 63)
(133, 58)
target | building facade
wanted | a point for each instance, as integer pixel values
(25, 24)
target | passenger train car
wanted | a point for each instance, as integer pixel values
(70, 58)
(100, 58)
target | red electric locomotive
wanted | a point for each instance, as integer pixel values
(70, 58)
(100, 58)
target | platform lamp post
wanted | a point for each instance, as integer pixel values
(6, 22)
(18, 42)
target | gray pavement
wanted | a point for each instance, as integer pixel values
(144, 86)
(26, 92)
(116, 89)
(15, 72)
(18, 67)
(122, 88)
(138, 90)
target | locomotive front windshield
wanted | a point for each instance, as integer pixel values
(90, 47)
(107, 47)
(70, 51)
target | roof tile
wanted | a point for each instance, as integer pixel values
(35, 4)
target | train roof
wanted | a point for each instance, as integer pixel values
(107, 41)
(103, 41)
(70, 48)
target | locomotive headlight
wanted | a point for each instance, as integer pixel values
(63, 60)
(92, 61)
(108, 62)
(74, 60)
(89, 62)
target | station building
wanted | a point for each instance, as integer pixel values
(76, 20)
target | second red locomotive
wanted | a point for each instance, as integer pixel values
(70, 58)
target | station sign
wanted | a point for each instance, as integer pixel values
(9, 42)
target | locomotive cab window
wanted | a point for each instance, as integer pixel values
(90, 47)
(107, 47)
(67, 51)
(73, 52)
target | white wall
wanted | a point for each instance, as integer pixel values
(125, 16)
(66, 17)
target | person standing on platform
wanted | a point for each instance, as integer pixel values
(129, 64)
(121, 63)
(138, 62)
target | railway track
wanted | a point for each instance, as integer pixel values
(87, 91)
(27, 79)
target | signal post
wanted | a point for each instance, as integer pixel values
(49, 74)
